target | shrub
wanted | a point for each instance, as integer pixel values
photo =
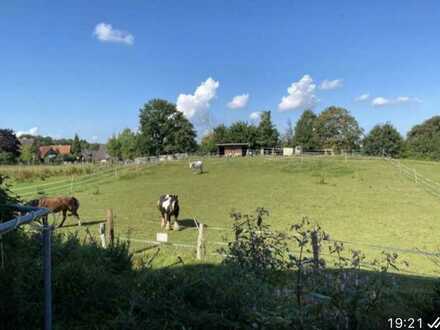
(343, 296)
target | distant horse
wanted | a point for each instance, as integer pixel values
(168, 206)
(196, 165)
(59, 204)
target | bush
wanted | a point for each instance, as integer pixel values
(342, 296)
(90, 284)
(383, 140)
(7, 158)
(269, 280)
(423, 140)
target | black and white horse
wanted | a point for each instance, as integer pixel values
(168, 206)
(196, 165)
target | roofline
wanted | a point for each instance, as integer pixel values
(233, 144)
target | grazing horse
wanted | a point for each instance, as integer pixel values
(168, 206)
(196, 165)
(59, 204)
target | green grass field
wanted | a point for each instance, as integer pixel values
(365, 203)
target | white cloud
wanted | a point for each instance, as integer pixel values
(195, 106)
(301, 95)
(362, 97)
(94, 138)
(382, 101)
(106, 33)
(331, 84)
(239, 101)
(32, 131)
(255, 116)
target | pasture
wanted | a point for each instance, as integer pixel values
(365, 203)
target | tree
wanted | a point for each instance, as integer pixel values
(242, 132)
(337, 129)
(128, 144)
(305, 131)
(163, 129)
(9, 146)
(76, 147)
(35, 147)
(221, 134)
(208, 144)
(383, 139)
(423, 141)
(26, 153)
(114, 147)
(267, 133)
(287, 139)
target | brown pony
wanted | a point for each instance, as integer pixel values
(59, 204)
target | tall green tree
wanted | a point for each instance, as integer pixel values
(9, 146)
(35, 150)
(221, 134)
(76, 147)
(337, 129)
(242, 132)
(128, 144)
(114, 147)
(164, 129)
(208, 143)
(268, 135)
(423, 140)
(305, 131)
(26, 155)
(383, 139)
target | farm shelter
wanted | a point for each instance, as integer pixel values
(232, 149)
(53, 150)
(97, 156)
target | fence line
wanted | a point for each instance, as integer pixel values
(411, 173)
(414, 251)
(66, 181)
(69, 184)
(59, 181)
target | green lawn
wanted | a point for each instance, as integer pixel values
(364, 202)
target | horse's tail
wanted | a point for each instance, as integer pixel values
(75, 206)
(75, 202)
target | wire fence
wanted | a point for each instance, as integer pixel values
(427, 184)
(71, 184)
(110, 173)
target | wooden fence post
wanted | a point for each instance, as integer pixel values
(102, 234)
(110, 230)
(201, 249)
(315, 248)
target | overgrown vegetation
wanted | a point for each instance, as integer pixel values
(337, 296)
(43, 172)
(268, 280)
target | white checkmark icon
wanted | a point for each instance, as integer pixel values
(435, 324)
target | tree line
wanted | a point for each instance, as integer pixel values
(12, 150)
(165, 130)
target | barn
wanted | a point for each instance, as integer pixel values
(52, 151)
(232, 149)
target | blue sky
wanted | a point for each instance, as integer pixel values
(88, 66)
